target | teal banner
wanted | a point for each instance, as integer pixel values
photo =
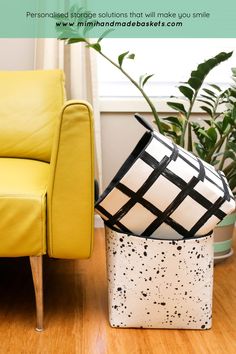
(150, 18)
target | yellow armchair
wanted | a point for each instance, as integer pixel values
(46, 172)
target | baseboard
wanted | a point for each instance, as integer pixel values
(98, 222)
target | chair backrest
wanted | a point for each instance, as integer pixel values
(30, 104)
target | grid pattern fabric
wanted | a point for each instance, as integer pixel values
(163, 191)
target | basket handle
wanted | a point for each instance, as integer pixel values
(142, 121)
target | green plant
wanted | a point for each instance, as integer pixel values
(214, 138)
(216, 141)
(219, 131)
(190, 90)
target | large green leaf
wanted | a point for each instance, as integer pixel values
(95, 46)
(165, 127)
(203, 69)
(198, 73)
(208, 98)
(195, 82)
(206, 138)
(207, 110)
(200, 150)
(205, 134)
(177, 106)
(213, 134)
(187, 92)
(210, 92)
(75, 40)
(206, 102)
(174, 121)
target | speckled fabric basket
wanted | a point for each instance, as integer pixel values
(159, 283)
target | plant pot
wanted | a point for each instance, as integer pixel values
(223, 238)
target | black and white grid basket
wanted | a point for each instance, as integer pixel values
(164, 191)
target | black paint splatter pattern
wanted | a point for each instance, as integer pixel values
(159, 284)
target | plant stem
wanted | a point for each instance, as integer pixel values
(221, 165)
(149, 102)
(190, 143)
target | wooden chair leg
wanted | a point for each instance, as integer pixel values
(36, 264)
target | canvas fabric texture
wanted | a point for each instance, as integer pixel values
(159, 283)
(164, 191)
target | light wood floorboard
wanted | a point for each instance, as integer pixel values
(76, 319)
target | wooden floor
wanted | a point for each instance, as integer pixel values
(76, 313)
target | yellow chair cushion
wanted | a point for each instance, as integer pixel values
(22, 207)
(30, 104)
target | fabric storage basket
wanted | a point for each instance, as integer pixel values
(159, 283)
(162, 189)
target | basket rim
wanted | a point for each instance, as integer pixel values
(109, 228)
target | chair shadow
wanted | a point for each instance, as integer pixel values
(67, 291)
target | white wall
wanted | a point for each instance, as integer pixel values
(120, 133)
(16, 54)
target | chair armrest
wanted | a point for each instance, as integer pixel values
(70, 195)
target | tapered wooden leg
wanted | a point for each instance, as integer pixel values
(36, 264)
